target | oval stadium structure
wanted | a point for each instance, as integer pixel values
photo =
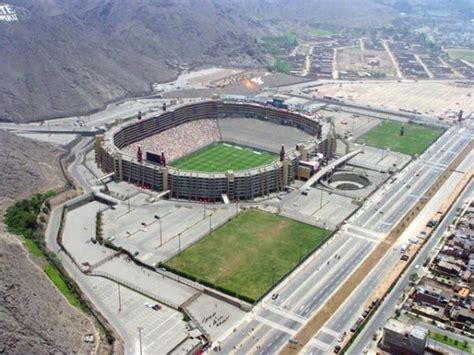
(144, 152)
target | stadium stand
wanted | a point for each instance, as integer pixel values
(179, 141)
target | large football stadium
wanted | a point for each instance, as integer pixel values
(212, 150)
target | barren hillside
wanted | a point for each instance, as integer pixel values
(69, 57)
(34, 316)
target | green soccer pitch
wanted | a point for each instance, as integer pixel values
(222, 157)
(240, 257)
(415, 140)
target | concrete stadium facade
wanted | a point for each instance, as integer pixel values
(190, 185)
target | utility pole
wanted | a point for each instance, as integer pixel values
(128, 199)
(161, 235)
(321, 201)
(273, 275)
(301, 250)
(119, 297)
(210, 223)
(140, 339)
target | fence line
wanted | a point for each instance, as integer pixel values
(136, 288)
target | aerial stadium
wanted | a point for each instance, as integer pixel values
(217, 150)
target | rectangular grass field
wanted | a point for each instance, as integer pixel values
(240, 255)
(223, 157)
(461, 53)
(415, 140)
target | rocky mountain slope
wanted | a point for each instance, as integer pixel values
(34, 317)
(73, 56)
(69, 57)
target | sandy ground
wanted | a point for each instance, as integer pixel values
(436, 98)
(360, 60)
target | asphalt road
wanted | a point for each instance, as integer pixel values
(264, 333)
(388, 306)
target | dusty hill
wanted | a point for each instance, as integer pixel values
(26, 167)
(34, 317)
(68, 57)
(71, 56)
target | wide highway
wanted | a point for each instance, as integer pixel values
(272, 323)
(387, 308)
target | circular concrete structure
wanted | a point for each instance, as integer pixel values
(348, 180)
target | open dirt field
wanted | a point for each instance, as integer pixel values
(372, 61)
(434, 98)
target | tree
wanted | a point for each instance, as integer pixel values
(413, 277)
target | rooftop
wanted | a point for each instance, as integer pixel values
(406, 329)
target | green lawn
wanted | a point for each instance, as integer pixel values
(466, 54)
(223, 157)
(415, 140)
(57, 280)
(239, 256)
(32, 247)
(280, 45)
(282, 66)
(451, 342)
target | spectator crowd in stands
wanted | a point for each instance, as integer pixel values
(179, 141)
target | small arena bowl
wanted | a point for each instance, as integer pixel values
(347, 181)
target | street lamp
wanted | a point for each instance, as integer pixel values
(210, 223)
(273, 275)
(321, 201)
(140, 339)
(128, 199)
(119, 298)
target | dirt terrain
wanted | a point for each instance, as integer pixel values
(64, 58)
(34, 316)
(26, 167)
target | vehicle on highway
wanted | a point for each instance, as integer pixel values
(111, 239)
(404, 257)
(341, 337)
(337, 348)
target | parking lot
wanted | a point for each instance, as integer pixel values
(160, 230)
(379, 159)
(319, 207)
(160, 330)
(79, 231)
(350, 125)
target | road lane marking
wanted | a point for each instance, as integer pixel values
(285, 313)
(274, 325)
